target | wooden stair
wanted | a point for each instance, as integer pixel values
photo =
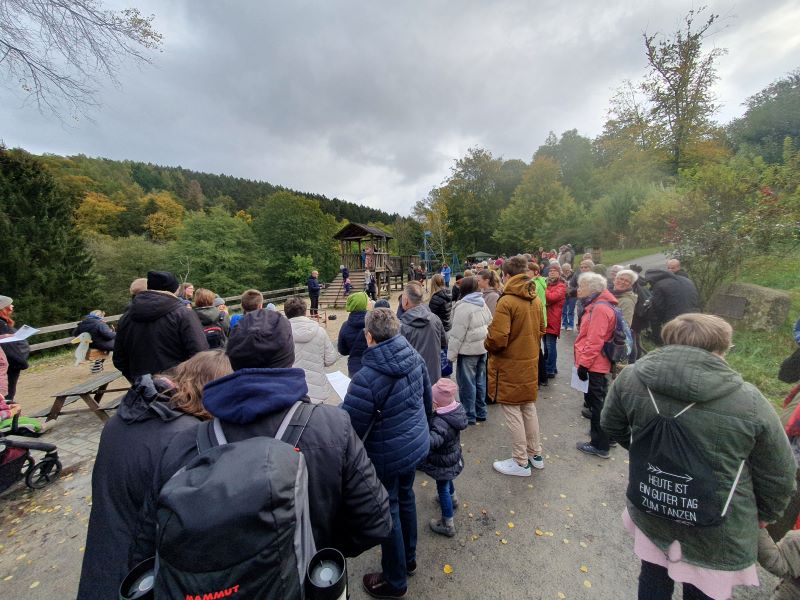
(333, 295)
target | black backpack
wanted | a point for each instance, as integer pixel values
(235, 520)
(670, 477)
(215, 334)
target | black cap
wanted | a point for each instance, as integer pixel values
(163, 281)
(262, 339)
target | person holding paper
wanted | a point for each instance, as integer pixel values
(17, 352)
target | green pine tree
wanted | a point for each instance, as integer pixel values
(46, 268)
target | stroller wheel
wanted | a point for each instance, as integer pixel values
(43, 473)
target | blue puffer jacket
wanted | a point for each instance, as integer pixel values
(352, 342)
(399, 441)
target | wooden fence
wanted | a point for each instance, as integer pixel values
(233, 303)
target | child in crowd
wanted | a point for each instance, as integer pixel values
(251, 300)
(444, 461)
(782, 559)
(347, 287)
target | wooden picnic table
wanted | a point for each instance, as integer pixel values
(91, 392)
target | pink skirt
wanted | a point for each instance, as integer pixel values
(713, 583)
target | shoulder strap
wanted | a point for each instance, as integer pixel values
(659, 412)
(294, 423)
(377, 413)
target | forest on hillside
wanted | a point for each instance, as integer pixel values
(75, 230)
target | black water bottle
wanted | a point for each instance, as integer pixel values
(139, 583)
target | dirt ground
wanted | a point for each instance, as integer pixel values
(557, 534)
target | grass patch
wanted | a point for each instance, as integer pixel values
(758, 354)
(615, 257)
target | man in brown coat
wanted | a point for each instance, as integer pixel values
(513, 344)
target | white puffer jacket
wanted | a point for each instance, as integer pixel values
(313, 351)
(471, 319)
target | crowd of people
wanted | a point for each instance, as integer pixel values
(679, 409)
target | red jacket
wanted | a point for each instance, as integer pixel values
(597, 327)
(555, 294)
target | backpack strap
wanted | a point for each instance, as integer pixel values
(294, 423)
(210, 433)
(658, 412)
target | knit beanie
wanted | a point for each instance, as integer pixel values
(382, 303)
(445, 392)
(5, 302)
(262, 339)
(162, 281)
(356, 302)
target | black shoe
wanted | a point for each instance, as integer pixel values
(586, 413)
(375, 585)
(551, 375)
(480, 419)
(411, 567)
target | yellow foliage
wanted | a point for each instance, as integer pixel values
(97, 213)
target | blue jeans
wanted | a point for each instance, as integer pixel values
(550, 342)
(471, 380)
(446, 491)
(401, 547)
(568, 314)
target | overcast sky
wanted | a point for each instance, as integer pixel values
(373, 101)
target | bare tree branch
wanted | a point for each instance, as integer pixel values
(57, 52)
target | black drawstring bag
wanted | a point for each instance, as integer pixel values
(671, 478)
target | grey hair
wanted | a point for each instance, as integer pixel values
(382, 324)
(629, 273)
(595, 282)
(98, 313)
(413, 293)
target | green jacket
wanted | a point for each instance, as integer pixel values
(541, 291)
(730, 422)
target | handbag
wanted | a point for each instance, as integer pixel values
(446, 364)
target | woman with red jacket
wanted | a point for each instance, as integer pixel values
(555, 294)
(597, 327)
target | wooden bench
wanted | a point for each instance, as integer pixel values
(91, 392)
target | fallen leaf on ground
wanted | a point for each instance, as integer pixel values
(474, 537)
(539, 532)
(561, 595)
(483, 511)
(584, 569)
(565, 540)
(447, 569)
(503, 541)
(530, 485)
(587, 583)
(562, 496)
(34, 584)
(511, 526)
(603, 504)
(497, 533)
(8, 578)
(424, 483)
(512, 512)
(470, 515)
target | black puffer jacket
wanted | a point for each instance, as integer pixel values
(102, 335)
(349, 507)
(444, 461)
(673, 295)
(351, 342)
(130, 451)
(157, 332)
(441, 305)
(17, 353)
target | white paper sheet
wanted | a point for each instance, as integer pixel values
(339, 382)
(581, 386)
(23, 333)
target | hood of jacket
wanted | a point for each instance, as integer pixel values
(520, 285)
(151, 305)
(457, 419)
(148, 399)
(417, 317)
(656, 275)
(356, 319)
(208, 315)
(303, 329)
(249, 394)
(475, 298)
(687, 373)
(394, 357)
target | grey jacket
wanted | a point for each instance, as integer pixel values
(425, 332)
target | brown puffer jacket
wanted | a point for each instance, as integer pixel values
(513, 343)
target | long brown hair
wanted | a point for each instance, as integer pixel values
(437, 284)
(190, 376)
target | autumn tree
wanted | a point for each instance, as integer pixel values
(97, 214)
(164, 216)
(432, 215)
(678, 85)
(58, 51)
(539, 208)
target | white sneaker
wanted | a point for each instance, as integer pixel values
(511, 467)
(537, 462)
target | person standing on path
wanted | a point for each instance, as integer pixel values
(16, 352)
(313, 292)
(568, 312)
(313, 351)
(513, 343)
(715, 427)
(393, 383)
(423, 330)
(597, 327)
(446, 274)
(351, 341)
(556, 295)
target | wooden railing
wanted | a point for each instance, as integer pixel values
(353, 262)
(233, 303)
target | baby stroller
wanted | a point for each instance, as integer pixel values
(16, 462)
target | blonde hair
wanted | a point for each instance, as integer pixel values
(191, 375)
(708, 332)
(437, 284)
